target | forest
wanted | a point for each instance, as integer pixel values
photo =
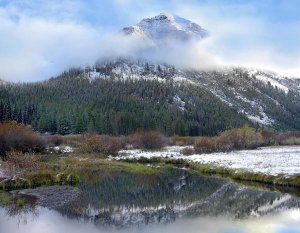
(73, 103)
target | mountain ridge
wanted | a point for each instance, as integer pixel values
(166, 27)
(119, 95)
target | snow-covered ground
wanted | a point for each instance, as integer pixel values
(269, 160)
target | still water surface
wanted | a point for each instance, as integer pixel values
(174, 201)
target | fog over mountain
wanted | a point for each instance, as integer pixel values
(43, 40)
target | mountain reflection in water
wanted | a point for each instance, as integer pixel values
(120, 201)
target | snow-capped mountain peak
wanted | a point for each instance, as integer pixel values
(167, 26)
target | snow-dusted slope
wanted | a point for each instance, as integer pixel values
(263, 97)
(167, 26)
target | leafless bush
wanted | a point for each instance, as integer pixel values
(205, 145)
(176, 140)
(74, 140)
(19, 137)
(148, 139)
(54, 140)
(188, 151)
(236, 139)
(20, 163)
(103, 144)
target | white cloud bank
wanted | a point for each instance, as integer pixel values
(34, 48)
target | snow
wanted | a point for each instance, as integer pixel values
(63, 149)
(219, 94)
(262, 118)
(164, 26)
(273, 82)
(276, 203)
(93, 74)
(179, 102)
(269, 160)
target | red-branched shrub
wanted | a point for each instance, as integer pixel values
(147, 139)
(235, 139)
(103, 144)
(19, 163)
(205, 145)
(176, 140)
(19, 137)
(54, 140)
(187, 151)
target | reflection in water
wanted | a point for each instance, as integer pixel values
(138, 202)
(50, 221)
(22, 213)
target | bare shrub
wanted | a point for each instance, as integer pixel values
(236, 139)
(19, 137)
(17, 163)
(242, 138)
(269, 137)
(74, 140)
(104, 144)
(147, 139)
(288, 138)
(54, 140)
(205, 145)
(176, 140)
(187, 151)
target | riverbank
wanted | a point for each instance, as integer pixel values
(270, 165)
(274, 166)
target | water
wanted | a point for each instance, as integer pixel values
(173, 201)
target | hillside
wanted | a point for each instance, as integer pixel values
(74, 103)
(118, 97)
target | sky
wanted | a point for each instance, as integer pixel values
(42, 38)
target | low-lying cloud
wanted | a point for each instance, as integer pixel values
(33, 47)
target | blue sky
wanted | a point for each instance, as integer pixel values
(40, 36)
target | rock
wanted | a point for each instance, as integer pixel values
(52, 196)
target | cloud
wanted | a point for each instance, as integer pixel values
(40, 39)
(35, 48)
(241, 35)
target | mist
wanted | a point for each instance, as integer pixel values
(36, 44)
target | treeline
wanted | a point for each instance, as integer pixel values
(74, 104)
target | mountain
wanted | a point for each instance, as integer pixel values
(166, 27)
(124, 96)
(265, 98)
(159, 199)
(119, 95)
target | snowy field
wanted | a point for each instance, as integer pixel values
(269, 160)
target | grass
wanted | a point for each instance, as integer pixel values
(5, 199)
(75, 163)
(65, 171)
(40, 178)
(21, 202)
(241, 175)
(236, 175)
